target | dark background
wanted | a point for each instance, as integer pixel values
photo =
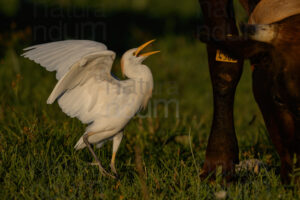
(120, 23)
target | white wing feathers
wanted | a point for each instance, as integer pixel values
(60, 56)
(97, 64)
(84, 74)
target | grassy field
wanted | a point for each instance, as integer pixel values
(160, 156)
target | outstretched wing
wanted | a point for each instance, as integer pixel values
(84, 74)
(60, 56)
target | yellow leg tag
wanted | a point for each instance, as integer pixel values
(221, 57)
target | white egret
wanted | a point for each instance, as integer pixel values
(87, 90)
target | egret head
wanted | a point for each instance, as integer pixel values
(134, 57)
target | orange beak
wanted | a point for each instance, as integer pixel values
(140, 48)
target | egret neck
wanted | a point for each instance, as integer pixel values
(132, 67)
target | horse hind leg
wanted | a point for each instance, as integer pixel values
(297, 150)
(278, 119)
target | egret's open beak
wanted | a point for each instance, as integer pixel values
(140, 48)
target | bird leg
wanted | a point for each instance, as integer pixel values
(116, 143)
(101, 169)
(112, 163)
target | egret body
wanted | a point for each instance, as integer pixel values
(87, 90)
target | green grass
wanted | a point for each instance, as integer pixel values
(38, 161)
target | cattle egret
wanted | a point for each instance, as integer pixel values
(87, 90)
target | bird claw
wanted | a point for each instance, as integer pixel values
(106, 174)
(113, 169)
(103, 171)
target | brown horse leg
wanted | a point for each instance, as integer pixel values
(297, 150)
(287, 133)
(222, 148)
(279, 121)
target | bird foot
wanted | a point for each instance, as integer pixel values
(113, 169)
(103, 171)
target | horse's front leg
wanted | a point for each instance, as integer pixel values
(222, 149)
